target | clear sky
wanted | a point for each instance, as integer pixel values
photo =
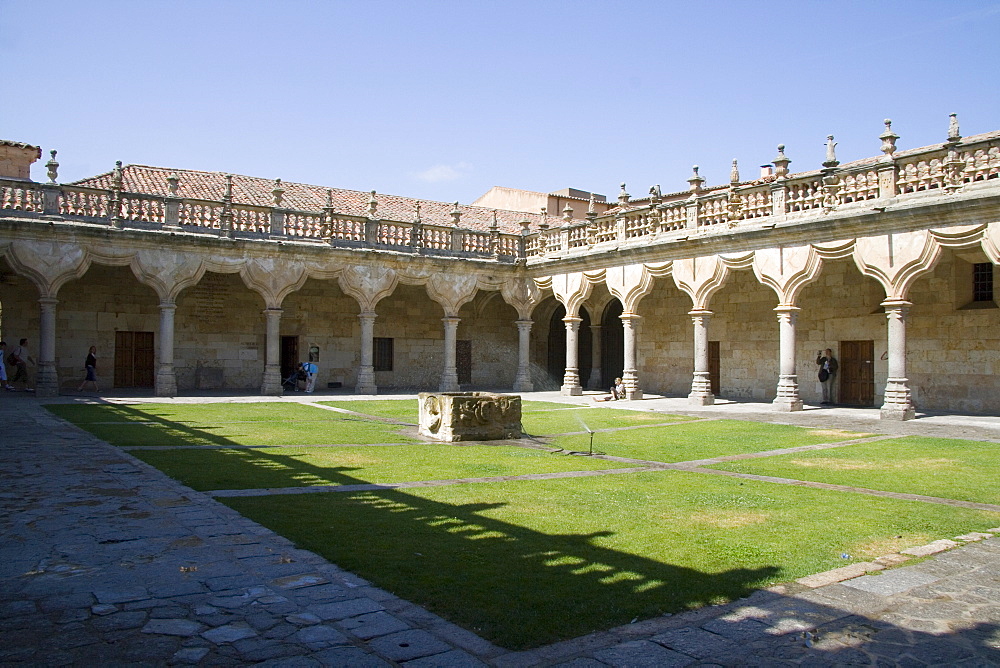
(444, 99)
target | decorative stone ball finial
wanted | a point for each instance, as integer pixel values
(888, 138)
(734, 173)
(329, 198)
(173, 181)
(591, 209)
(277, 193)
(623, 196)
(53, 167)
(494, 224)
(953, 133)
(545, 211)
(456, 214)
(654, 192)
(831, 154)
(372, 205)
(695, 181)
(228, 194)
(116, 176)
(567, 213)
(781, 162)
(416, 212)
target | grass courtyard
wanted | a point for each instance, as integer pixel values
(526, 562)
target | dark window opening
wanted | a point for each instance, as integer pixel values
(383, 354)
(982, 282)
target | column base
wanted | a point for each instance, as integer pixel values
(166, 383)
(449, 383)
(701, 399)
(898, 405)
(788, 399)
(895, 412)
(787, 404)
(46, 380)
(271, 384)
(595, 382)
(523, 385)
(571, 390)
(366, 382)
(633, 394)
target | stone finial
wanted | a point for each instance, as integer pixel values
(734, 173)
(567, 213)
(116, 176)
(831, 154)
(781, 162)
(623, 196)
(591, 208)
(53, 167)
(416, 212)
(888, 138)
(695, 181)
(372, 205)
(277, 193)
(456, 214)
(654, 192)
(329, 198)
(544, 211)
(173, 182)
(494, 224)
(954, 136)
(525, 227)
(228, 193)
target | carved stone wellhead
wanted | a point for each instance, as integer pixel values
(469, 416)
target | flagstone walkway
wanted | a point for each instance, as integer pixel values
(105, 561)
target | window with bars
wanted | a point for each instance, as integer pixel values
(982, 282)
(383, 354)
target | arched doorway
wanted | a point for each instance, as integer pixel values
(557, 345)
(612, 342)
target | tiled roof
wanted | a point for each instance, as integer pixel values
(257, 191)
(20, 144)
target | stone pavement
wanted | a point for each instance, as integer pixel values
(105, 561)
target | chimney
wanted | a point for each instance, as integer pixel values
(16, 159)
(766, 171)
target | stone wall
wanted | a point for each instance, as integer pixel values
(321, 315)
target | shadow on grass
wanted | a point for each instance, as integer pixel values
(515, 585)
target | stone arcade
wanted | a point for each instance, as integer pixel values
(194, 280)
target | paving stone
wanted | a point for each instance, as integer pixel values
(694, 641)
(229, 633)
(456, 658)
(320, 634)
(840, 574)
(190, 654)
(344, 609)
(373, 624)
(122, 595)
(407, 645)
(892, 582)
(103, 609)
(172, 627)
(642, 654)
(930, 548)
(120, 621)
(298, 581)
(974, 536)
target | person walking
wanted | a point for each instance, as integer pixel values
(311, 370)
(91, 368)
(3, 367)
(827, 373)
(21, 357)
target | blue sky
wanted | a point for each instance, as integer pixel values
(444, 99)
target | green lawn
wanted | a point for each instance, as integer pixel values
(270, 423)
(548, 423)
(254, 468)
(700, 440)
(528, 563)
(948, 468)
(405, 410)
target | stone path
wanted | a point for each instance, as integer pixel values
(105, 561)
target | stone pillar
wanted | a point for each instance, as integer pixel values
(630, 375)
(701, 384)
(366, 374)
(788, 382)
(898, 403)
(595, 382)
(166, 378)
(271, 383)
(449, 379)
(571, 378)
(522, 382)
(47, 379)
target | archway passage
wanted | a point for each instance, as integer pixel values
(612, 343)
(557, 345)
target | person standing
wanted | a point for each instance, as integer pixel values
(311, 370)
(827, 373)
(3, 367)
(91, 368)
(21, 357)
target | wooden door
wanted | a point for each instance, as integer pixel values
(714, 373)
(135, 359)
(857, 373)
(463, 360)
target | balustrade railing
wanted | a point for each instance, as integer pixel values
(21, 196)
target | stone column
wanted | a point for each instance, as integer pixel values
(522, 382)
(788, 382)
(595, 382)
(571, 378)
(271, 383)
(366, 374)
(701, 384)
(47, 379)
(630, 375)
(449, 379)
(898, 403)
(166, 378)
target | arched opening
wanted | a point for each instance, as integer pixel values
(612, 342)
(557, 345)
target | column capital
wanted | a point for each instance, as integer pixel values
(572, 318)
(700, 312)
(273, 311)
(451, 320)
(367, 315)
(896, 304)
(786, 308)
(629, 317)
(48, 301)
(168, 305)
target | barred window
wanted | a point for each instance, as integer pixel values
(383, 354)
(982, 282)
